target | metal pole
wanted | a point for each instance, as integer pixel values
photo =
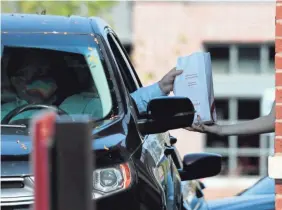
(71, 164)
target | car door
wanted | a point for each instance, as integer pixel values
(153, 144)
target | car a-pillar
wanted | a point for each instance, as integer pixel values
(275, 161)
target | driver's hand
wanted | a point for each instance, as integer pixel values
(166, 83)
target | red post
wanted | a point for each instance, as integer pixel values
(275, 166)
(42, 132)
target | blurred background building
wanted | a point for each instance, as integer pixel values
(240, 38)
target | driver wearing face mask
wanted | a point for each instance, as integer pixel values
(31, 85)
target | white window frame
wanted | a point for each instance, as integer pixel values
(238, 88)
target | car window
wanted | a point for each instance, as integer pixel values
(131, 81)
(132, 70)
(55, 70)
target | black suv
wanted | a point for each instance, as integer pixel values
(79, 66)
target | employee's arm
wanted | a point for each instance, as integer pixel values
(264, 124)
(143, 95)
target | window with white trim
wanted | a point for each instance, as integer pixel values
(247, 155)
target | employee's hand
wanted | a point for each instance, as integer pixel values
(202, 128)
(166, 83)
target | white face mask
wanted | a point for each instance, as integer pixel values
(32, 85)
(43, 88)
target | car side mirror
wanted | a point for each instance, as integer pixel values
(200, 165)
(167, 113)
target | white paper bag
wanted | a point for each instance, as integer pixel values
(196, 83)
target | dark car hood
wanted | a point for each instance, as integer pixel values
(16, 149)
(15, 145)
(258, 202)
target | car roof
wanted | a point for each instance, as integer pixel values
(52, 23)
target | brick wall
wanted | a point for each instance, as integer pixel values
(278, 126)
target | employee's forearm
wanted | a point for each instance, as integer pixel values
(143, 95)
(260, 125)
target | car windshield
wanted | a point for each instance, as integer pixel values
(65, 71)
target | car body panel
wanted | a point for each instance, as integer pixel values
(259, 196)
(258, 202)
(44, 23)
(264, 186)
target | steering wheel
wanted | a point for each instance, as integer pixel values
(28, 107)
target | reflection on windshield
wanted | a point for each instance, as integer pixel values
(71, 82)
(93, 60)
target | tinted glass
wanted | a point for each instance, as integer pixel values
(62, 70)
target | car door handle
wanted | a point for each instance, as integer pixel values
(168, 151)
(199, 193)
(173, 140)
(202, 185)
(199, 188)
(171, 151)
